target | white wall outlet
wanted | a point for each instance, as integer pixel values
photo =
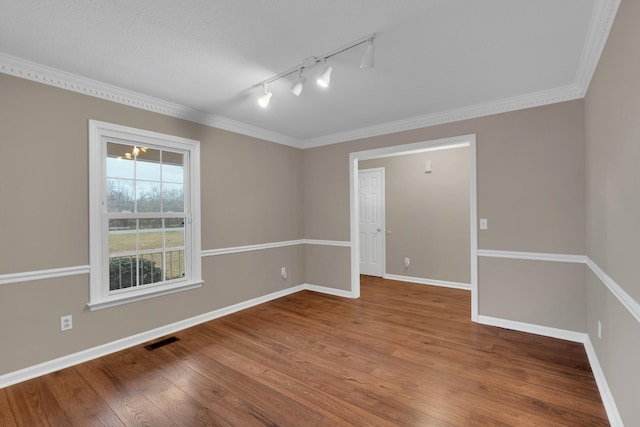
(599, 329)
(484, 224)
(407, 261)
(283, 272)
(66, 323)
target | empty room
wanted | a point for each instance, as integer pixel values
(302, 213)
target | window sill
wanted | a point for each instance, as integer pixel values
(126, 298)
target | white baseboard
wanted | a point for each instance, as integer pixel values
(603, 387)
(421, 281)
(546, 331)
(329, 291)
(124, 343)
(605, 392)
(121, 344)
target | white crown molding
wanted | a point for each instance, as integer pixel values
(601, 22)
(29, 276)
(536, 99)
(29, 70)
(533, 256)
(604, 13)
(432, 282)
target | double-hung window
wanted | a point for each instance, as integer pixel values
(144, 214)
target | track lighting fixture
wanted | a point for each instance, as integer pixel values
(264, 100)
(296, 89)
(325, 77)
(367, 59)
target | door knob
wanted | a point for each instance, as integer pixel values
(379, 229)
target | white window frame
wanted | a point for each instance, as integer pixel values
(99, 134)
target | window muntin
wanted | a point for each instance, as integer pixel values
(144, 203)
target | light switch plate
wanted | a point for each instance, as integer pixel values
(483, 224)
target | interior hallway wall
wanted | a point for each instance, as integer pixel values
(427, 215)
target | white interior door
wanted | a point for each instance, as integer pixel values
(371, 207)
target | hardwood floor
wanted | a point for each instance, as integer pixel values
(401, 355)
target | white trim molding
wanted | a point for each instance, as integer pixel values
(625, 299)
(328, 291)
(603, 387)
(521, 102)
(124, 343)
(22, 68)
(534, 256)
(249, 248)
(601, 22)
(531, 328)
(344, 244)
(121, 344)
(29, 276)
(261, 246)
(432, 282)
(417, 147)
(604, 13)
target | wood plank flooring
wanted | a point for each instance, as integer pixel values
(401, 355)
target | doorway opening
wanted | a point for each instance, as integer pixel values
(354, 158)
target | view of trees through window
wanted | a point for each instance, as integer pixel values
(145, 211)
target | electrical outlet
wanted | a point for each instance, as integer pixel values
(599, 329)
(283, 272)
(407, 261)
(66, 323)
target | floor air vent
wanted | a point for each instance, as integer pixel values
(161, 343)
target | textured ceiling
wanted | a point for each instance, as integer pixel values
(208, 55)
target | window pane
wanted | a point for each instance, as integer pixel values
(172, 173)
(174, 242)
(120, 195)
(151, 268)
(118, 165)
(150, 236)
(122, 272)
(174, 236)
(148, 164)
(122, 236)
(173, 198)
(147, 196)
(175, 264)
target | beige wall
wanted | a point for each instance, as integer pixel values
(427, 215)
(530, 178)
(251, 193)
(530, 183)
(554, 292)
(612, 116)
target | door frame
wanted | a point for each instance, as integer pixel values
(398, 150)
(383, 218)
